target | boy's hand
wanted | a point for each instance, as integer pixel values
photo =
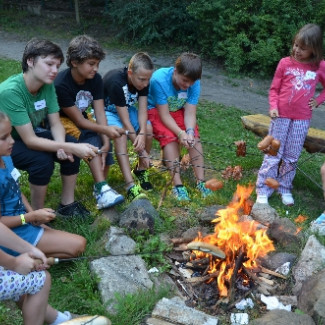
(139, 142)
(114, 132)
(274, 113)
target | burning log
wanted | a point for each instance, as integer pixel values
(238, 264)
(206, 248)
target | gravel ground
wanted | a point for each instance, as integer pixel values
(246, 94)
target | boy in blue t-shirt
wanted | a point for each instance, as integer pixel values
(173, 97)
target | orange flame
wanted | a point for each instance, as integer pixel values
(232, 237)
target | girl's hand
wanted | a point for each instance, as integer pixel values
(274, 113)
(38, 217)
(24, 264)
(312, 103)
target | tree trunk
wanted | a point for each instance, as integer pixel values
(259, 124)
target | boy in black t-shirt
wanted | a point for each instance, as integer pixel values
(80, 88)
(123, 89)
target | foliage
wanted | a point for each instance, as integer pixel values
(251, 36)
(152, 22)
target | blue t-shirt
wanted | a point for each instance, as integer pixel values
(162, 91)
(12, 204)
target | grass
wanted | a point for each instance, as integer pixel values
(74, 288)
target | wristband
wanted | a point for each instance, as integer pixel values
(180, 132)
(23, 220)
(190, 130)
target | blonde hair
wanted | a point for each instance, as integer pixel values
(311, 36)
(140, 60)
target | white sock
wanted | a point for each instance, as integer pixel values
(61, 317)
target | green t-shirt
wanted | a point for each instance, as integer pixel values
(22, 107)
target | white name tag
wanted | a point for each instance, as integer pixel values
(15, 174)
(183, 94)
(40, 104)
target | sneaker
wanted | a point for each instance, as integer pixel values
(204, 191)
(143, 177)
(180, 192)
(74, 209)
(287, 199)
(318, 225)
(320, 219)
(107, 197)
(135, 193)
(262, 199)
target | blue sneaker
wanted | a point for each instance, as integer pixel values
(205, 192)
(180, 192)
(320, 219)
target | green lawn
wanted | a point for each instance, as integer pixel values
(74, 289)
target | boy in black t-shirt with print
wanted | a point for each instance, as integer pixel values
(79, 88)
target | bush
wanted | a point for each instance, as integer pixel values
(252, 35)
(146, 22)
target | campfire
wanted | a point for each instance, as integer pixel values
(242, 243)
(226, 262)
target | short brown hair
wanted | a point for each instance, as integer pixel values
(40, 47)
(82, 48)
(189, 65)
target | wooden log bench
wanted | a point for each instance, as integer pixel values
(259, 124)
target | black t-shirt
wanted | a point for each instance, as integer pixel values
(71, 94)
(117, 92)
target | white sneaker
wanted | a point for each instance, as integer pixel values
(107, 197)
(287, 199)
(262, 199)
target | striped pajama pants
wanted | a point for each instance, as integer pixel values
(282, 167)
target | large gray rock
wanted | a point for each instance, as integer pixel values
(312, 260)
(311, 298)
(283, 317)
(263, 213)
(140, 215)
(176, 312)
(120, 274)
(285, 233)
(118, 243)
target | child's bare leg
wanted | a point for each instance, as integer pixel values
(34, 307)
(37, 196)
(144, 162)
(95, 166)
(68, 187)
(171, 154)
(196, 155)
(149, 133)
(123, 160)
(61, 244)
(322, 172)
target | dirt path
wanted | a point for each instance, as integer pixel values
(247, 94)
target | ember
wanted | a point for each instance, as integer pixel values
(241, 242)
